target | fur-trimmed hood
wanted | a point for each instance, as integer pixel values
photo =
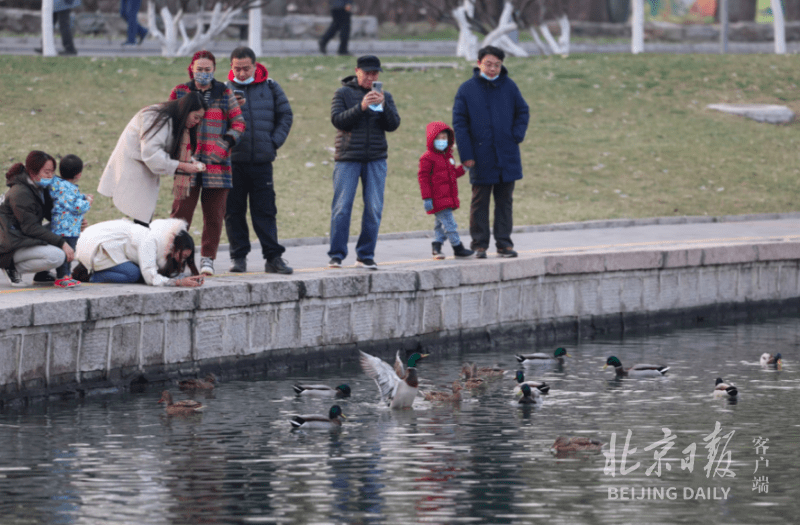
(164, 231)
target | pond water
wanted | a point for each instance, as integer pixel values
(118, 458)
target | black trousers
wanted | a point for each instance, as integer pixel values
(340, 23)
(253, 181)
(62, 17)
(503, 215)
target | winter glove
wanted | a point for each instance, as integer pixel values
(428, 204)
(219, 152)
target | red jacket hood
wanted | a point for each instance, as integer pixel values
(433, 129)
(261, 74)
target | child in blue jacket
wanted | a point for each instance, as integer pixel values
(69, 206)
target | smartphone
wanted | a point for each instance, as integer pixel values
(377, 86)
(238, 93)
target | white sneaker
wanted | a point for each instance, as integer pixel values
(206, 266)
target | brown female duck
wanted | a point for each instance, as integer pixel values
(183, 408)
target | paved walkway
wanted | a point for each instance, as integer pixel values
(412, 249)
(108, 47)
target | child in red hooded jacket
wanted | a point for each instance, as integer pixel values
(437, 182)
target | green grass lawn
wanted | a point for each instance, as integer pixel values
(609, 137)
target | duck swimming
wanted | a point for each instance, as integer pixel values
(183, 408)
(542, 387)
(543, 359)
(198, 384)
(723, 389)
(316, 422)
(471, 379)
(576, 444)
(771, 361)
(339, 392)
(445, 396)
(530, 396)
(636, 371)
(398, 386)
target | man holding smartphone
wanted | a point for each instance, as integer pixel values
(362, 113)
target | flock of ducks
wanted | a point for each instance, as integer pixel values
(398, 386)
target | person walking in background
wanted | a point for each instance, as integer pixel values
(219, 131)
(69, 206)
(438, 182)
(62, 11)
(26, 245)
(268, 118)
(158, 141)
(129, 10)
(490, 119)
(341, 11)
(362, 113)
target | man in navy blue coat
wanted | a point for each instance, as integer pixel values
(490, 119)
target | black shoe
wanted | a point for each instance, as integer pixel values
(43, 278)
(480, 253)
(335, 262)
(142, 37)
(239, 265)
(369, 264)
(506, 252)
(67, 52)
(322, 46)
(14, 276)
(277, 265)
(460, 251)
(344, 54)
(436, 249)
(38, 50)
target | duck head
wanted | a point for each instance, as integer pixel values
(719, 380)
(336, 411)
(612, 361)
(526, 389)
(560, 352)
(344, 389)
(412, 360)
(520, 376)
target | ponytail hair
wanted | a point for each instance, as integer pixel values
(177, 112)
(34, 163)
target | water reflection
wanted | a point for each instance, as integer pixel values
(120, 459)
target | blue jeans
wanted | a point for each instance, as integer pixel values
(445, 227)
(65, 269)
(124, 273)
(345, 182)
(129, 9)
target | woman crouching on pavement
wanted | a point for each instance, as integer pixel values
(121, 251)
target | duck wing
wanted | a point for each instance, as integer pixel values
(314, 421)
(398, 366)
(314, 390)
(643, 366)
(382, 373)
(188, 404)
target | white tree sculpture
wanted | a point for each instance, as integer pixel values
(48, 43)
(175, 25)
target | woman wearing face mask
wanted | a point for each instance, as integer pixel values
(158, 141)
(27, 246)
(125, 252)
(220, 130)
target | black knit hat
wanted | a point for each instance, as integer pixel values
(369, 63)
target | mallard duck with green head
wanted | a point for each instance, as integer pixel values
(397, 385)
(639, 371)
(530, 396)
(340, 392)
(723, 389)
(543, 359)
(566, 444)
(541, 386)
(333, 421)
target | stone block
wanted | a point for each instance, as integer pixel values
(57, 312)
(393, 281)
(547, 298)
(152, 350)
(510, 301)
(438, 278)
(788, 282)
(522, 268)
(480, 272)
(650, 290)
(564, 298)
(178, 341)
(630, 295)
(118, 305)
(64, 352)
(470, 309)
(237, 341)
(337, 324)
(94, 349)
(33, 361)
(9, 359)
(310, 288)
(15, 316)
(746, 283)
(726, 284)
(410, 316)
(490, 303)
(210, 337)
(587, 297)
(735, 254)
(529, 299)
(688, 288)
(387, 324)
(707, 286)
(125, 345)
(681, 258)
(779, 251)
(768, 281)
(363, 320)
(267, 292)
(432, 319)
(345, 286)
(451, 311)
(636, 260)
(581, 263)
(224, 295)
(609, 292)
(262, 328)
(169, 299)
(312, 319)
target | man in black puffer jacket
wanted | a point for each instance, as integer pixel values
(362, 114)
(268, 118)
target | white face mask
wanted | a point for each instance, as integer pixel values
(245, 82)
(488, 77)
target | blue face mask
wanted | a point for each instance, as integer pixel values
(203, 79)
(488, 77)
(440, 144)
(44, 183)
(245, 82)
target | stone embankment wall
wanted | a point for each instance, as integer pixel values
(116, 336)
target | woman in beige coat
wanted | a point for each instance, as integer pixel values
(158, 141)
